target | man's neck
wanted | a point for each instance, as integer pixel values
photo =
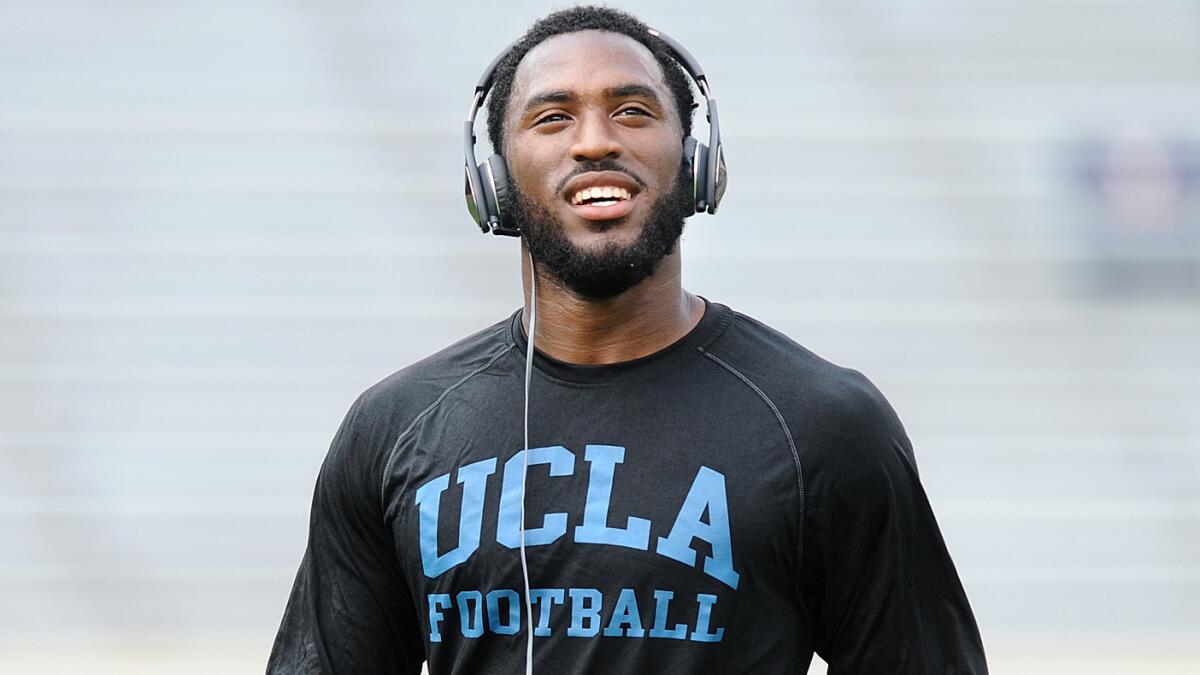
(648, 317)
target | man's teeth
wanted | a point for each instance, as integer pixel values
(606, 192)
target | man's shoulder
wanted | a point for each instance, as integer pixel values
(816, 396)
(783, 365)
(419, 384)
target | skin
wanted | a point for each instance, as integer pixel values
(616, 105)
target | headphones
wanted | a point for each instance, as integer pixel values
(487, 182)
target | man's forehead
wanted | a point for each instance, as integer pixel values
(576, 60)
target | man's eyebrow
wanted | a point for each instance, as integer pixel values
(556, 96)
(627, 90)
(564, 96)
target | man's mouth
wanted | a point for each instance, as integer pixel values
(602, 195)
(605, 195)
(603, 203)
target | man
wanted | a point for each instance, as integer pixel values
(699, 494)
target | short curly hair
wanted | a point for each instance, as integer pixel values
(578, 19)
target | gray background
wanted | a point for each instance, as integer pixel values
(220, 221)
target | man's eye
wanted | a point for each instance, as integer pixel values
(633, 111)
(552, 117)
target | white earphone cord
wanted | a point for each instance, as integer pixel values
(525, 467)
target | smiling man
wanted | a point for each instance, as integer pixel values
(670, 487)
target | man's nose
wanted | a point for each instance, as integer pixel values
(595, 137)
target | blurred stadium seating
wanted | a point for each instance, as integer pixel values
(220, 221)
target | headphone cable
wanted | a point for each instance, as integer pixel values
(525, 466)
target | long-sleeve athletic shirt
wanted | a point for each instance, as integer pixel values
(730, 504)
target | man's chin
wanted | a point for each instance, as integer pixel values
(605, 226)
(603, 235)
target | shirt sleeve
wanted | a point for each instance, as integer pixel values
(350, 610)
(877, 574)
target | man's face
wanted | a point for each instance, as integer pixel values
(594, 153)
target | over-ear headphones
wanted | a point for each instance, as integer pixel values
(487, 182)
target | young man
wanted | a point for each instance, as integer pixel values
(699, 494)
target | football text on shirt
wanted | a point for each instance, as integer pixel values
(704, 515)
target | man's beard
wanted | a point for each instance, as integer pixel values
(606, 272)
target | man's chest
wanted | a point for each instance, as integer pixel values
(651, 530)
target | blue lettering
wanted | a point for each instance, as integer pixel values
(554, 525)
(514, 612)
(588, 616)
(625, 614)
(707, 493)
(701, 633)
(545, 599)
(437, 602)
(595, 529)
(471, 620)
(662, 604)
(585, 612)
(473, 478)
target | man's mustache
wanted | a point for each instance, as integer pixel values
(606, 164)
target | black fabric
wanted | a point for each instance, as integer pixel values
(766, 505)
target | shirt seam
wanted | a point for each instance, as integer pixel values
(394, 453)
(633, 376)
(572, 384)
(786, 432)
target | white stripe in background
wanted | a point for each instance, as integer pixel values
(1097, 510)
(220, 446)
(152, 508)
(958, 511)
(285, 372)
(1148, 317)
(1073, 574)
(267, 250)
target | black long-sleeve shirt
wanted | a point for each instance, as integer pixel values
(730, 504)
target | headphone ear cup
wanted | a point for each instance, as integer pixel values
(721, 178)
(475, 201)
(495, 185)
(697, 159)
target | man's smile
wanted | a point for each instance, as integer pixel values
(602, 195)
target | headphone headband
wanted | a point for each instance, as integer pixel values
(485, 194)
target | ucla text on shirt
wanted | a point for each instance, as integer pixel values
(703, 515)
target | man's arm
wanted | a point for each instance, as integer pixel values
(350, 610)
(878, 577)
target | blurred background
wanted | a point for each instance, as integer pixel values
(220, 221)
